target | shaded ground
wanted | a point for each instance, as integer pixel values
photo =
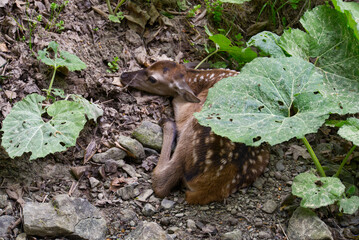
(97, 41)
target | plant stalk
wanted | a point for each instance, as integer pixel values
(344, 161)
(314, 157)
(118, 6)
(205, 59)
(109, 7)
(51, 82)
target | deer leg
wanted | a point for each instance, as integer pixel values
(168, 170)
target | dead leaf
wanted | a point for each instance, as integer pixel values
(10, 94)
(297, 152)
(3, 47)
(117, 182)
(90, 150)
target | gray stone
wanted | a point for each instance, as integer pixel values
(64, 216)
(113, 153)
(94, 182)
(304, 224)
(5, 222)
(167, 204)
(270, 206)
(126, 215)
(149, 134)
(148, 231)
(127, 192)
(21, 236)
(234, 235)
(279, 165)
(264, 235)
(3, 200)
(191, 224)
(130, 170)
(132, 145)
(259, 183)
(148, 210)
(144, 195)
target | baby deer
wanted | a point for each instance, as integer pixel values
(212, 167)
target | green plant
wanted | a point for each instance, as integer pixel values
(235, 49)
(285, 96)
(113, 65)
(55, 10)
(192, 12)
(214, 7)
(115, 15)
(37, 126)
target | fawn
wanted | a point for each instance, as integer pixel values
(212, 167)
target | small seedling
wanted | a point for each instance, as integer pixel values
(55, 10)
(113, 65)
(61, 59)
(192, 12)
(115, 15)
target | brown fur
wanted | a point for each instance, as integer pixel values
(211, 166)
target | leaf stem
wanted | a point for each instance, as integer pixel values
(314, 157)
(205, 59)
(344, 161)
(109, 7)
(51, 82)
(118, 6)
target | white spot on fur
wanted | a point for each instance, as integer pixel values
(254, 171)
(251, 161)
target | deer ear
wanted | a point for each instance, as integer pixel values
(187, 94)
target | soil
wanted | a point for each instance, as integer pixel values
(91, 36)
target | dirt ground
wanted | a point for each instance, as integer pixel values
(144, 36)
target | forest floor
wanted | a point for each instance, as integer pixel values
(143, 37)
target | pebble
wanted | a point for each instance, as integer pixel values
(270, 206)
(191, 224)
(165, 221)
(167, 204)
(148, 210)
(94, 182)
(144, 195)
(234, 235)
(279, 165)
(264, 235)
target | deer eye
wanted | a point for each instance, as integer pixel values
(152, 79)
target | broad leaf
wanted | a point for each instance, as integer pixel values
(350, 130)
(272, 100)
(351, 11)
(349, 205)
(335, 49)
(317, 192)
(92, 110)
(266, 41)
(26, 131)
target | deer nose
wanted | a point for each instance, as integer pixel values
(125, 76)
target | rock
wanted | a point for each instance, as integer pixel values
(264, 235)
(304, 224)
(113, 153)
(5, 222)
(126, 215)
(144, 195)
(64, 216)
(21, 236)
(133, 146)
(130, 170)
(78, 171)
(3, 200)
(234, 235)
(191, 224)
(148, 231)
(148, 210)
(167, 204)
(270, 206)
(94, 182)
(127, 192)
(259, 183)
(149, 134)
(279, 165)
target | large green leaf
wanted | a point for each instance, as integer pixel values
(92, 110)
(317, 192)
(350, 130)
(349, 205)
(25, 130)
(266, 41)
(351, 11)
(272, 100)
(335, 49)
